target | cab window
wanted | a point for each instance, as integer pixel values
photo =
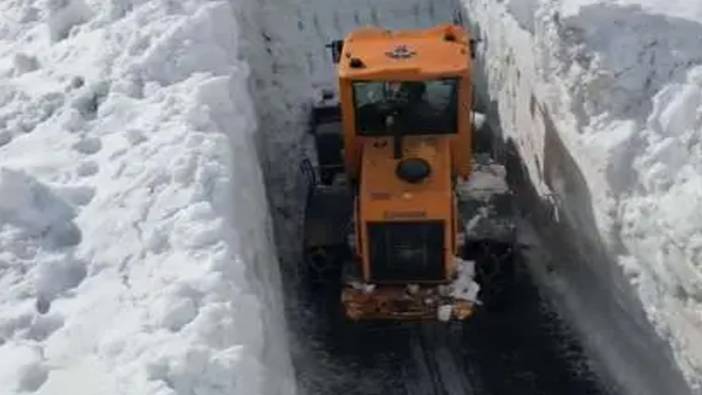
(413, 107)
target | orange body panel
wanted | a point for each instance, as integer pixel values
(433, 55)
(384, 197)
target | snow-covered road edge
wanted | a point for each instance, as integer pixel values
(136, 255)
(571, 83)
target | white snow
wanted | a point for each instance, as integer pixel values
(133, 219)
(464, 286)
(22, 368)
(603, 99)
(486, 179)
(683, 9)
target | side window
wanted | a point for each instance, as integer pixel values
(440, 93)
(369, 98)
(367, 93)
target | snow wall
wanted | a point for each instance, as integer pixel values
(136, 252)
(602, 100)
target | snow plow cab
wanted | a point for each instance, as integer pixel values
(392, 160)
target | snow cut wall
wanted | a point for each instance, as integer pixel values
(603, 100)
(134, 229)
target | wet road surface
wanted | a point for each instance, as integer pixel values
(524, 349)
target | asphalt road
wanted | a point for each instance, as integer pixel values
(524, 349)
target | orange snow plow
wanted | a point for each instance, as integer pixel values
(392, 213)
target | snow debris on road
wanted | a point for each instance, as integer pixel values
(133, 219)
(486, 181)
(603, 99)
(464, 286)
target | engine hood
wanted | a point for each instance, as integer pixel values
(385, 196)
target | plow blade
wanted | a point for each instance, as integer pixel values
(400, 303)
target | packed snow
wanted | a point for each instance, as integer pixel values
(604, 100)
(486, 180)
(133, 220)
(464, 286)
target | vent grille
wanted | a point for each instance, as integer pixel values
(406, 251)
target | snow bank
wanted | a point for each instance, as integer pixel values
(603, 101)
(135, 251)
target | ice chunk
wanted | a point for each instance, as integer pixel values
(464, 286)
(64, 15)
(25, 63)
(30, 204)
(21, 368)
(443, 313)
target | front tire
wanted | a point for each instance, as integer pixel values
(495, 272)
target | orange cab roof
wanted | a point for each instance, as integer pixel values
(441, 51)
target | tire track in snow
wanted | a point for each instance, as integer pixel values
(441, 370)
(424, 380)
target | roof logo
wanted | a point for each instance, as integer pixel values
(401, 52)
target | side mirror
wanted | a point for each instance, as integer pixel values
(336, 47)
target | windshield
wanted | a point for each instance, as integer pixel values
(406, 107)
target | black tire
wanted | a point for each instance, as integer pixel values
(323, 266)
(496, 274)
